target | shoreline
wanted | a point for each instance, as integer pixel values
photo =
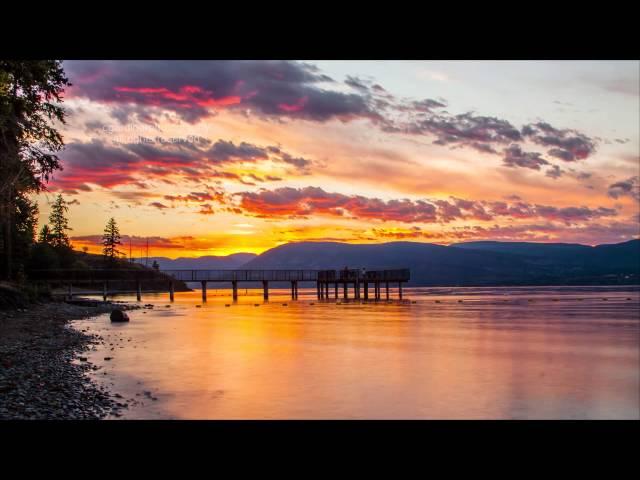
(43, 374)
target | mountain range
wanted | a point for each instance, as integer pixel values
(463, 264)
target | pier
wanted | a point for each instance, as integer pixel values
(358, 280)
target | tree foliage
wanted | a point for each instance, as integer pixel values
(30, 111)
(110, 241)
(58, 237)
(45, 234)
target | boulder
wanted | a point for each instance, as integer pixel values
(118, 315)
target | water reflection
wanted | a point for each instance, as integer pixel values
(477, 353)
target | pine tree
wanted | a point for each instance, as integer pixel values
(45, 234)
(30, 110)
(111, 240)
(59, 224)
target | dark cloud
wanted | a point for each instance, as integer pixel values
(515, 157)
(194, 89)
(206, 209)
(97, 163)
(573, 214)
(158, 205)
(195, 197)
(302, 202)
(111, 164)
(466, 129)
(223, 151)
(625, 188)
(554, 172)
(568, 145)
(427, 105)
(357, 83)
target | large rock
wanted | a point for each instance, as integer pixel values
(119, 316)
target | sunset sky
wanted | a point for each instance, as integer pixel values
(217, 157)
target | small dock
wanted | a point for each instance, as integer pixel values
(359, 281)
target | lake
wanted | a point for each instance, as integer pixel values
(441, 353)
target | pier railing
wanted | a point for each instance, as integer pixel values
(356, 278)
(352, 275)
(188, 275)
(243, 275)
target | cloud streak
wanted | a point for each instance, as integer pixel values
(303, 202)
(110, 164)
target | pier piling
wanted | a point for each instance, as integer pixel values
(324, 280)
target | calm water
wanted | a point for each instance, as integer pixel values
(500, 353)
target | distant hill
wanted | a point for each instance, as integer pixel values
(473, 263)
(235, 260)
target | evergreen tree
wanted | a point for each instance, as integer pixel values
(59, 224)
(24, 232)
(155, 265)
(30, 96)
(111, 240)
(45, 234)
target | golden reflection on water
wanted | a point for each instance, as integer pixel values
(500, 353)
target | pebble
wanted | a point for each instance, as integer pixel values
(39, 378)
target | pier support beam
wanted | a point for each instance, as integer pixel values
(400, 290)
(171, 290)
(366, 291)
(336, 288)
(387, 290)
(265, 289)
(204, 290)
(138, 290)
(345, 289)
(326, 289)
(234, 287)
(318, 290)
(356, 287)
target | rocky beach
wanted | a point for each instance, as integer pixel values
(43, 373)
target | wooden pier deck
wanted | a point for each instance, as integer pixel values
(358, 279)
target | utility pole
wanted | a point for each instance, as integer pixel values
(146, 262)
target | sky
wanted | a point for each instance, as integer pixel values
(218, 157)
